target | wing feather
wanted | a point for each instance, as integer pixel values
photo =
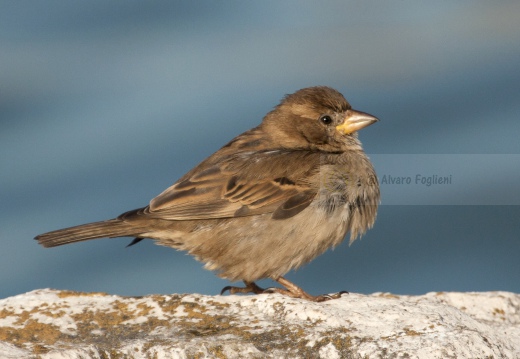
(240, 185)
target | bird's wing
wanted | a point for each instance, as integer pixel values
(240, 185)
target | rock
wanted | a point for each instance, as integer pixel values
(62, 324)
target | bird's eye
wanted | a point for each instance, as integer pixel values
(326, 119)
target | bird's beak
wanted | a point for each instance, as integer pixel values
(355, 121)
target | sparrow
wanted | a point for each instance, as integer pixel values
(269, 201)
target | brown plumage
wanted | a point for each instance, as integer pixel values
(270, 200)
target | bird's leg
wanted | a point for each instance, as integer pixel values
(292, 290)
(250, 287)
(296, 292)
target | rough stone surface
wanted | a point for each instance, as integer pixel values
(60, 324)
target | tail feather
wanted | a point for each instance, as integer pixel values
(110, 228)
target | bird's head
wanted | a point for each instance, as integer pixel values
(316, 118)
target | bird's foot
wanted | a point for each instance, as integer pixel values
(294, 291)
(250, 287)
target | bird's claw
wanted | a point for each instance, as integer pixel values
(250, 287)
(292, 291)
(326, 297)
(225, 289)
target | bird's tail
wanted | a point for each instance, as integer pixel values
(111, 228)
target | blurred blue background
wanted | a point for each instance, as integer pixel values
(103, 104)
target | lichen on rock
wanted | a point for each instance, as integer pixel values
(45, 323)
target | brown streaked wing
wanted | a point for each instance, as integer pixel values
(237, 187)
